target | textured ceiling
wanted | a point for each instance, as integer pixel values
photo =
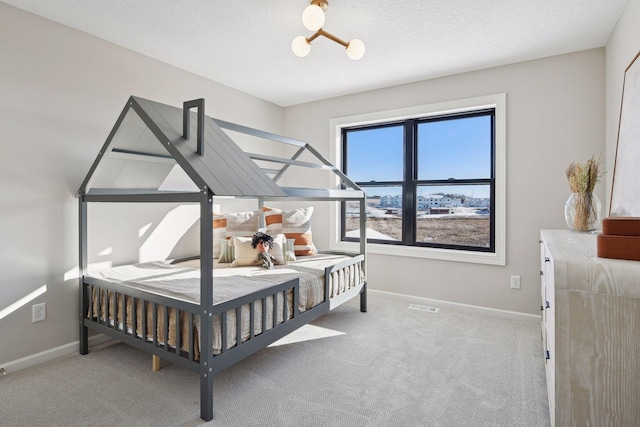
(247, 44)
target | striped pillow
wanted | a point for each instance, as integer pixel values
(238, 224)
(295, 224)
(226, 252)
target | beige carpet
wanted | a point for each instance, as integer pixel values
(392, 366)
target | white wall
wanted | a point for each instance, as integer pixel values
(623, 46)
(60, 93)
(555, 116)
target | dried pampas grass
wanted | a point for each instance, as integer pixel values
(583, 177)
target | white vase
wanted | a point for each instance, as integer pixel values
(582, 212)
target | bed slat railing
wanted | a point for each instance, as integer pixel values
(165, 328)
(154, 323)
(178, 330)
(239, 325)
(106, 311)
(134, 316)
(286, 305)
(252, 319)
(264, 311)
(223, 337)
(144, 318)
(124, 313)
(191, 343)
(274, 317)
(274, 300)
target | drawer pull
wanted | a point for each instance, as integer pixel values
(546, 259)
(541, 273)
(547, 303)
(547, 355)
(541, 308)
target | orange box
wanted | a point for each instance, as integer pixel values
(618, 247)
(621, 226)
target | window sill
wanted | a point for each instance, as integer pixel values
(425, 253)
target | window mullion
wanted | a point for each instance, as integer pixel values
(409, 185)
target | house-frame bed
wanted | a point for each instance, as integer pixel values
(165, 325)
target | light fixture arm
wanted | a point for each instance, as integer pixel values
(330, 36)
(322, 4)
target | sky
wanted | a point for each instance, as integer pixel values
(446, 149)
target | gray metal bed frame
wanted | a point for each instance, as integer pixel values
(208, 364)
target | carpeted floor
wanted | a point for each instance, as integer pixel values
(391, 366)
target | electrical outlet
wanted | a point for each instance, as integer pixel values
(39, 312)
(515, 282)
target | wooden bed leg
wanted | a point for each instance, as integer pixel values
(155, 363)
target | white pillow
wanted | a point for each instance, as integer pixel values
(244, 254)
(279, 247)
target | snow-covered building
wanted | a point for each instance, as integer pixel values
(476, 202)
(391, 201)
(437, 201)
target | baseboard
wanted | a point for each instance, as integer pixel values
(51, 354)
(439, 303)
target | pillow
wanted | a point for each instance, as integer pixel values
(226, 252)
(289, 250)
(245, 254)
(279, 247)
(226, 226)
(295, 224)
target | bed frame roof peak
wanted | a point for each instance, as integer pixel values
(154, 133)
(153, 146)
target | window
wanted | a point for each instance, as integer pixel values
(434, 180)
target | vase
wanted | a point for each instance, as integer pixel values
(582, 212)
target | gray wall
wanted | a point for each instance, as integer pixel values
(555, 116)
(60, 93)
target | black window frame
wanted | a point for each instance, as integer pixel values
(410, 182)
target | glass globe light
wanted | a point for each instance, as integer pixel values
(355, 50)
(300, 46)
(313, 17)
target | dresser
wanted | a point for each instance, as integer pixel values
(590, 315)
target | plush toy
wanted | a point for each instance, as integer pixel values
(264, 242)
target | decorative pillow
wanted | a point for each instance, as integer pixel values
(289, 250)
(228, 225)
(295, 224)
(279, 247)
(245, 254)
(226, 252)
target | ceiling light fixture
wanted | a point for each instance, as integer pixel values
(313, 20)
